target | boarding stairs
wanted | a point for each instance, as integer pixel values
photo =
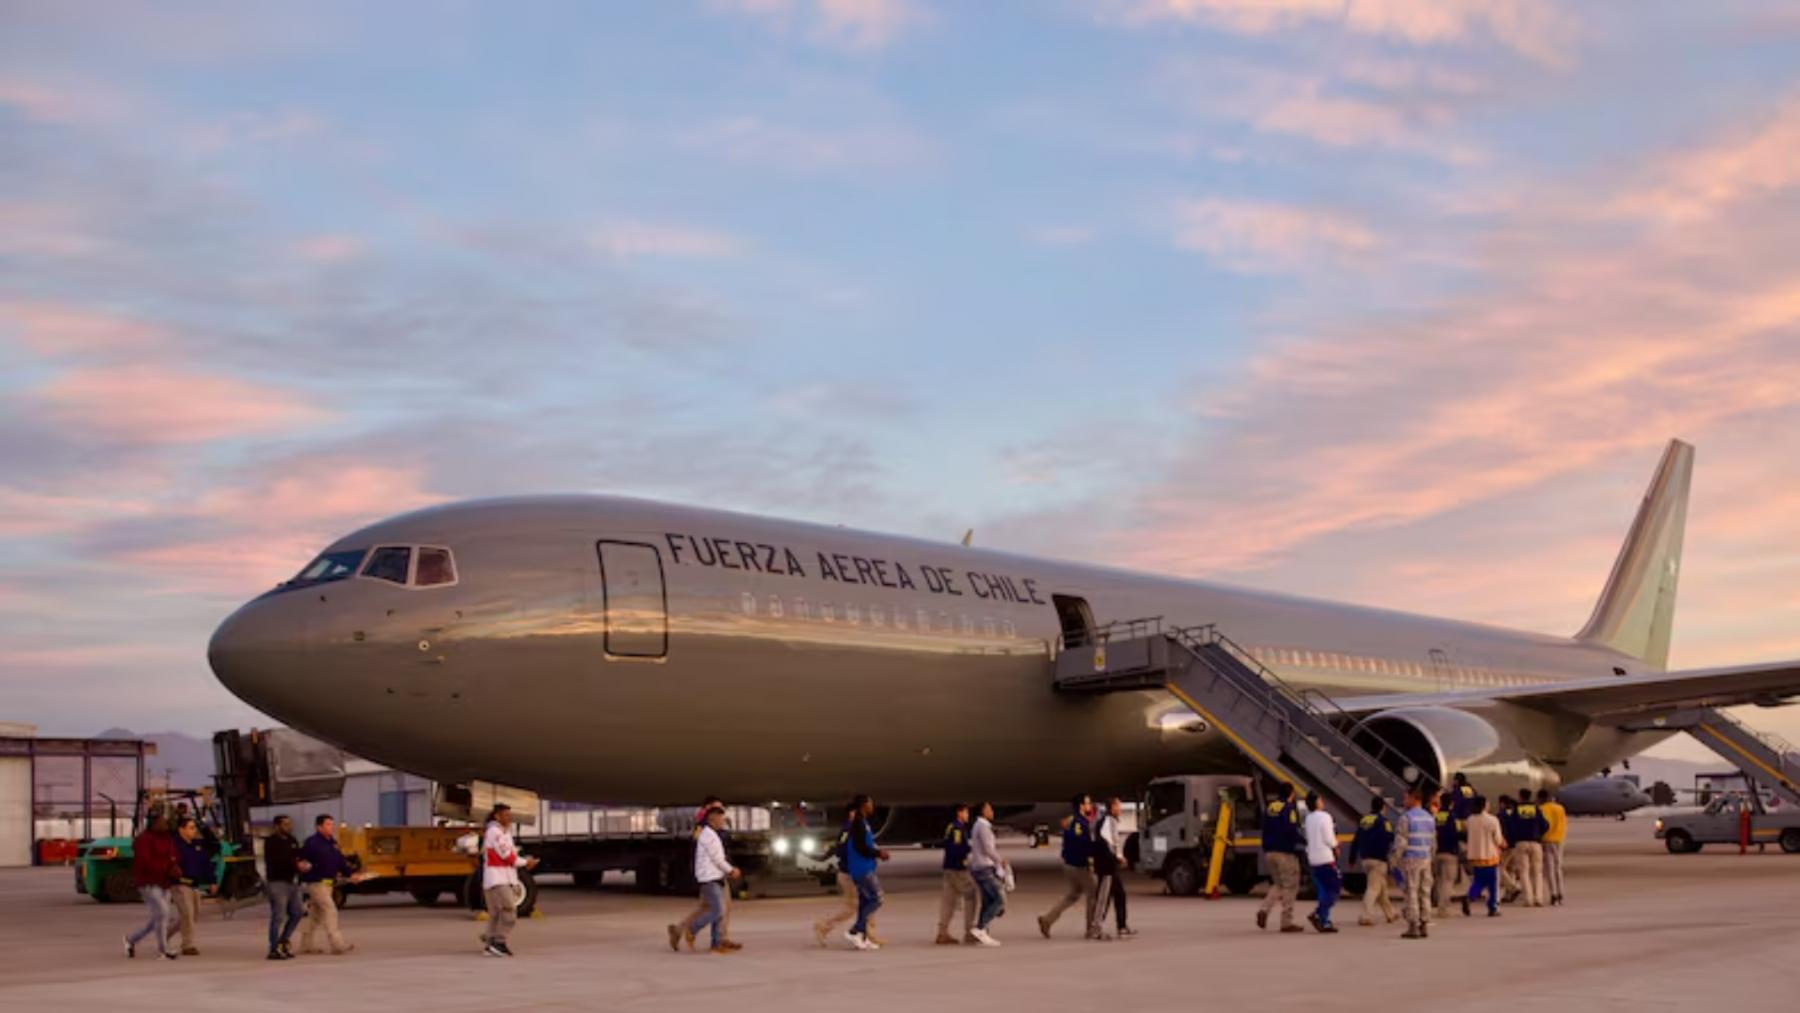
(1294, 735)
(1767, 759)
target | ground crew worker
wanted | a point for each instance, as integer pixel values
(1510, 886)
(1486, 842)
(1528, 831)
(1447, 861)
(196, 880)
(500, 864)
(1322, 857)
(1280, 841)
(1078, 868)
(1459, 797)
(1556, 830)
(1413, 848)
(155, 867)
(282, 867)
(1374, 839)
(325, 863)
(959, 886)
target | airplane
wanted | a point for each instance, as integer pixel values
(608, 649)
(1602, 796)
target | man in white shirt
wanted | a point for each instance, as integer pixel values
(1321, 854)
(712, 871)
(500, 864)
(1112, 883)
(989, 870)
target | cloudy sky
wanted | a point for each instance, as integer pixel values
(1395, 301)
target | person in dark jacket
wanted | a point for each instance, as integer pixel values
(196, 880)
(154, 869)
(1078, 848)
(840, 850)
(959, 885)
(282, 866)
(325, 864)
(1281, 840)
(863, 858)
(1373, 841)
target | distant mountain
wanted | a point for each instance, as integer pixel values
(180, 761)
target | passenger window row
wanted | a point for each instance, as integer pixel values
(877, 616)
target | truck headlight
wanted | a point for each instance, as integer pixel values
(1659, 826)
(808, 845)
(782, 845)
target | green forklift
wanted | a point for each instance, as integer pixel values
(103, 865)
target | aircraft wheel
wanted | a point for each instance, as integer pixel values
(1680, 842)
(1790, 840)
(1182, 876)
(426, 895)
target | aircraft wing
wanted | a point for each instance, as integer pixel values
(1621, 698)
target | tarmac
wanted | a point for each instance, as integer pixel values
(1642, 930)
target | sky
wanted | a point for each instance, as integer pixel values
(1388, 301)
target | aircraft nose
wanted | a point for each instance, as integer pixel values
(254, 651)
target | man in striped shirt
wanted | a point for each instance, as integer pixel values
(1413, 844)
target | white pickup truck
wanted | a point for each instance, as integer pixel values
(1720, 823)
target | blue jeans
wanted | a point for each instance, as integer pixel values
(1328, 885)
(1487, 877)
(713, 894)
(868, 901)
(287, 905)
(162, 914)
(993, 897)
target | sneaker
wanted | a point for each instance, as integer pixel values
(969, 939)
(492, 950)
(860, 942)
(1493, 912)
(1126, 930)
(287, 951)
(503, 948)
(982, 937)
(1044, 926)
(1316, 923)
(821, 933)
(675, 938)
(1329, 928)
(275, 955)
(1262, 919)
(130, 948)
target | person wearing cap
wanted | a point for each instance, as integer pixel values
(500, 865)
(700, 901)
(712, 871)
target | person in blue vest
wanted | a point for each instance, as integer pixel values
(959, 885)
(1369, 849)
(324, 865)
(862, 858)
(1527, 836)
(1460, 797)
(1281, 841)
(1078, 869)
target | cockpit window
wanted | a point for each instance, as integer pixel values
(330, 566)
(435, 567)
(390, 562)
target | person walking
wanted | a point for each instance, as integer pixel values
(197, 880)
(1447, 863)
(1486, 844)
(1369, 850)
(1078, 867)
(959, 885)
(1510, 884)
(500, 865)
(1556, 831)
(324, 865)
(1528, 832)
(1322, 856)
(989, 871)
(155, 867)
(281, 883)
(713, 872)
(1413, 847)
(1110, 864)
(864, 861)
(846, 911)
(1281, 839)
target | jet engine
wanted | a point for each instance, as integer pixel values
(1441, 741)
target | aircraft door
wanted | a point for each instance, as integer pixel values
(1076, 618)
(635, 599)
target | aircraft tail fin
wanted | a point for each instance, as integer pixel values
(1636, 611)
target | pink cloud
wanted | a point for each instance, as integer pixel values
(60, 102)
(1262, 236)
(1699, 183)
(329, 248)
(859, 26)
(1532, 28)
(57, 330)
(162, 405)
